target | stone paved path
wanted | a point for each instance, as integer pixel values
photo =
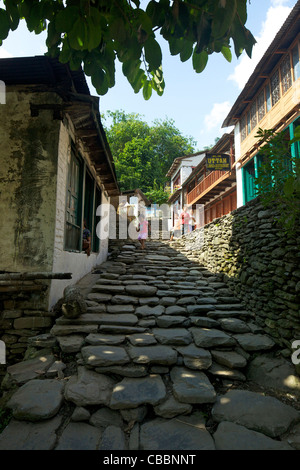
(160, 361)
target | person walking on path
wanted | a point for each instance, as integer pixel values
(143, 230)
(185, 218)
(176, 230)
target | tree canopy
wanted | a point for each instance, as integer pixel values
(94, 33)
(143, 153)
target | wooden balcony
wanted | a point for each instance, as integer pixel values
(211, 186)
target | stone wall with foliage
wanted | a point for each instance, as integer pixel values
(260, 264)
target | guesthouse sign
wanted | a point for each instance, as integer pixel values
(220, 161)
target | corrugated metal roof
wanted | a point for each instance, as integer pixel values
(282, 41)
(42, 70)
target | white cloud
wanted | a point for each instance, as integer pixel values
(4, 54)
(217, 115)
(276, 15)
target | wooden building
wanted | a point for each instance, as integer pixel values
(56, 169)
(215, 190)
(269, 100)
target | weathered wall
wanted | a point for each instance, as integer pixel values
(260, 264)
(28, 157)
(79, 264)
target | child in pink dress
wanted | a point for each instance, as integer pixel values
(143, 229)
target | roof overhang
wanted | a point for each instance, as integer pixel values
(282, 41)
(45, 74)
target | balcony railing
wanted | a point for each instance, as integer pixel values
(210, 181)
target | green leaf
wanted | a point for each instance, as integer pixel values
(153, 54)
(226, 53)
(94, 34)
(66, 53)
(138, 81)
(13, 14)
(78, 36)
(223, 18)
(99, 80)
(66, 18)
(53, 36)
(34, 20)
(4, 24)
(117, 30)
(147, 90)
(186, 51)
(200, 61)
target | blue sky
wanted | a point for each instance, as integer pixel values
(198, 103)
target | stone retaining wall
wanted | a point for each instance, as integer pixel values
(260, 264)
(23, 314)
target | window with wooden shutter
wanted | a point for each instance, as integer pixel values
(275, 87)
(74, 202)
(286, 73)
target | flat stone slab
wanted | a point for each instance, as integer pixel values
(231, 436)
(204, 322)
(120, 308)
(61, 330)
(175, 310)
(99, 297)
(157, 354)
(113, 438)
(171, 408)
(98, 339)
(172, 335)
(106, 417)
(107, 289)
(254, 342)
(89, 388)
(157, 258)
(70, 343)
(30, 436)
(166, 321)
(194, 357)
(230, 359)
(276, 373)
(143, 339)
(79, 436)
(23, 371)
(228, 314)
(218, 370)
(192, 386)
(104, 355)
(131, 393)
(141, 290)
(147, 311)
(37, 400)
(201, 309)
(168, 301)
(210, 337)
(152, 301)
(44, 340)
(126, 330)
(254, 411)
(234, 325)
(188, 433)
(127, 370)
(124, 299)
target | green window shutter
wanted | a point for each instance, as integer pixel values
(249, 181)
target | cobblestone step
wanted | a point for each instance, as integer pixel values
(162, 345)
